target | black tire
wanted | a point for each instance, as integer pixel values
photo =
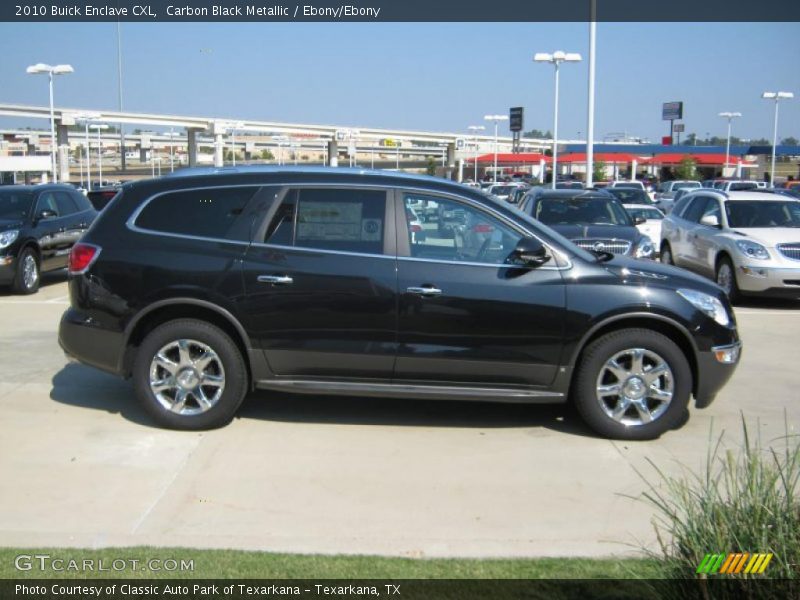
(734, 295)
(666, 254)
(234, 373)
(21, 284)
(593, 364)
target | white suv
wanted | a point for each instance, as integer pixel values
(749, 242)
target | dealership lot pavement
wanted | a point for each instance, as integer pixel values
(82, 465)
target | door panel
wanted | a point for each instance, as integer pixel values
(320, 312)
(474, 319)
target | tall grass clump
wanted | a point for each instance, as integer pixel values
(745, 500)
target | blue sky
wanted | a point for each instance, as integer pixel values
(432, 76)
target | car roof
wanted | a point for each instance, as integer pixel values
(754, 194)
(626, 205)
(37, 187)
(582, 194)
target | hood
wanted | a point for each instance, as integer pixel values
(605, 232)
(6, 224)
(646, 271)
(768, 236)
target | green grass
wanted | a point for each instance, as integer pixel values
(213, 564)
(744, 501)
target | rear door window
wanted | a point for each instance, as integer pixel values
(66, 205)
(215, 213)
(346, 220)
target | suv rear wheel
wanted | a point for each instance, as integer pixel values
(190, 375)
(666, 254)
(633, 384)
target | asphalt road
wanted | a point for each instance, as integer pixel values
(82, 465)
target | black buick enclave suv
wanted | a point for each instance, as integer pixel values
(205, 285)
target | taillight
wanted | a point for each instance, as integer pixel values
(81, 257)
(483, 228)
(416, 228)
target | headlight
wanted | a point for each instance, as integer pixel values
(645, 248)
(752, 250)
(708, 304)
(7, 237)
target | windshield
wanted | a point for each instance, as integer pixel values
(502, 190)
(743, 214)
(742, 185)
(580, 211)
(645, 213)
(630, 195)
(682, 185)
(14, 204)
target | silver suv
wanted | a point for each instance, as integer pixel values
(749, 242)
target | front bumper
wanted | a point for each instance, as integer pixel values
(714, 369)
(777, 281)
(8, 269)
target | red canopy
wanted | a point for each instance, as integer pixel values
(521, 158)
(606, 157)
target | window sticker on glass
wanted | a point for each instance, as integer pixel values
(371, 230)
(340, 221)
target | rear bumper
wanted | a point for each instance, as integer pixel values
(83, 340)
(714, 372)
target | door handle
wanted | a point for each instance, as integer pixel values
(275, 279)
(424, 291)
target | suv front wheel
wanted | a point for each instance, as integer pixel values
(190, 375)
(633, 384)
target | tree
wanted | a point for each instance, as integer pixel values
(687, 169)
(789, 141)
(536, 133)
(267, 155)
(599, 171)
(430, 169)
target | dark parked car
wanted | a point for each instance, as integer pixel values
(38, 226)
(204, 286)
(593, 220)
(101, 196)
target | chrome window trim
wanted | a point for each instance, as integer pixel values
(131, 222)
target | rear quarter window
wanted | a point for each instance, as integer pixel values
(217, 213)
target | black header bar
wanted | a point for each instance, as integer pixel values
(164, 11)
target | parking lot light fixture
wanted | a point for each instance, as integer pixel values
(496, 119)
(555, 59)
(44, 69)
(99, 127)
(730, 116)
(475, 129)
(777, 97)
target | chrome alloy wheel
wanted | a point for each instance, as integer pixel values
(30, 271)
(187, 377)
(725, 278)
(635, 387)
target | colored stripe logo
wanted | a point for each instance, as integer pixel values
(733, 563)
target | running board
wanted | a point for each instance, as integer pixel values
(407, 390)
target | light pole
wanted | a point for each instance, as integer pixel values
(233, 127)
(474, 129)
(590, 105)
(42, 69)
(777, 96)
(99, 127)
(280, 139)
(496, 119)
(730, 116)
(555, 59)
(86, 118)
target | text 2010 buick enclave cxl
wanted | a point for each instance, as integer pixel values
(203, 286)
